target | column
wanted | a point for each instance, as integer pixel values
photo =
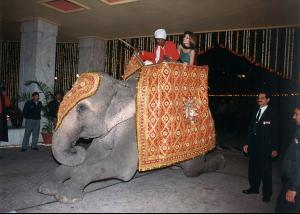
(38, 48)
(92, 52)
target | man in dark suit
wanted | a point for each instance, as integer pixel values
(262, 146)
(289, 199)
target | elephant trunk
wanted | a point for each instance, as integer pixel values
(64, 150)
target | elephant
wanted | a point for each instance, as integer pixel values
(109, 118)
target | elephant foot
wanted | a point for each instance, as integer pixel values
(218, 163)
(69, 196)
(48, 188)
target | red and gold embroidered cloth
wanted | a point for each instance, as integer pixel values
(174, 123)
(133, 65)
(85, 86)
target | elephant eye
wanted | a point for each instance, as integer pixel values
(81, 108)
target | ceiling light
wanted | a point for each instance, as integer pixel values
(64, 6)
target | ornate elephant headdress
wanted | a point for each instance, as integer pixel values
(86, 85)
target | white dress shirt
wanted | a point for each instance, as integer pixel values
(157, 54)
(263, 109)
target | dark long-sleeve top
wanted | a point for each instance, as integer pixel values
(4, 103)
(32, 110)
(291, 164)
(53, 108)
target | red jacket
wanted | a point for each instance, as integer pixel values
(169, 50)
(7, 103)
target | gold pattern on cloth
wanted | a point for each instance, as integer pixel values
(133, 65)
(86, 85)
(174, 123)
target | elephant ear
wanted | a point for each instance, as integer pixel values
(121, 108)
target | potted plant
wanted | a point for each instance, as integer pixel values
(47, 131)
(47, 95)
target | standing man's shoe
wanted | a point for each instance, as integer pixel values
(23, 150)
(250, 191)
(36, 149)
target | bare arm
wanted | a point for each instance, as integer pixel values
(192, 57)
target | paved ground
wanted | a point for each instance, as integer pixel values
(163, 190)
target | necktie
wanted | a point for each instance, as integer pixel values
(258, 115)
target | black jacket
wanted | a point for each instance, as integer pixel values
(291, 164)
(263, 136)
(53, 108)
(32, 110)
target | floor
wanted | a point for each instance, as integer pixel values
(165, 190)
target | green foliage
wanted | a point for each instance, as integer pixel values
(48, 127)
(24, 97)
(44, 89)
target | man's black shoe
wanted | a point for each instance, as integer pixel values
(250, 191)
(36, 149)
(266, 199)
(23, 150)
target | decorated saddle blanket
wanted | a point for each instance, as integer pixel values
(174, 123)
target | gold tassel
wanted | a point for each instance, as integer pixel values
(243, 43)
(292, 52)
(226, 37)
(289, 53)
(285, 50)
(237, 41)
(263, 49)
(276, 51)
(205, 45)
(255, 38)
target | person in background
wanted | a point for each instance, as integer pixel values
(53, 106)
(289, 200)
(16, 114)
(262, 146)
(32, 114)
(187, 48)
(164, 50)
(4, 105)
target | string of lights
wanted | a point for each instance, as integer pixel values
(274, 52)
(255, 45)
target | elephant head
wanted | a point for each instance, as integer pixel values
(93, 117)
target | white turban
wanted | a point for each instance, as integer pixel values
(160, 34)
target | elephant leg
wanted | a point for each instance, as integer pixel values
(108, 168)
(97, 151)
(203, 164)
(53, 184)
(118, 162)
